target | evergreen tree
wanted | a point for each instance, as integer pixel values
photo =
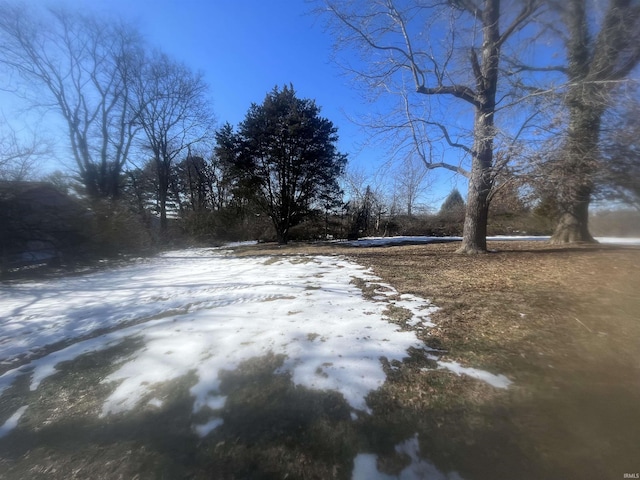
(453, 205)
(286, 156)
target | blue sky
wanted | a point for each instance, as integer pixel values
(246, 47)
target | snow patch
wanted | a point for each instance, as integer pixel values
(12, 421)
(365, 466)
(204, 430)
(400, 240)
(201, 311)
(497, 381)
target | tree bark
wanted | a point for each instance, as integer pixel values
(474, 235)
(579, 164)
(163, 190)
(282, 234)
(573, 225)
(595, 63)
(576, 183)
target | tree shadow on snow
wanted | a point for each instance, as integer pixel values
(271, 427)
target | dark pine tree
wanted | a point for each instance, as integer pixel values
(287, 159)
(453, 205)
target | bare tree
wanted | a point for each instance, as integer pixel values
(194, 183)
(602, 46)
(19, 154)
(619, 175)
(410, 182)
(355, 182)
(81, 67)
(174, 114)
(367, 202)
(447, 50)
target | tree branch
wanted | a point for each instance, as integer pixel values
(529, 7)
(459, 91)
(468, 6)
(448, 166)
(517, 67)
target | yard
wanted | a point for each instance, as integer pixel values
(327, 361)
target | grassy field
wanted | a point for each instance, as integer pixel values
(562, 323)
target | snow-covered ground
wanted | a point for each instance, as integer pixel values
(399, 240)
(365, 465)
(205, 310)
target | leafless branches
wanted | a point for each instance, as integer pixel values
(81, 67)
(619, 175)
(19, 154)
(445, 49)
(174, 114)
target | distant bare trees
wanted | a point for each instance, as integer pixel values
(19, 154)
(117, 100)
(81, 66)
(174, 114)
(410, 183)
(450, 50)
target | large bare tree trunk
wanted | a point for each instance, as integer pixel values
(596, 63)
(573, 225)
(474, 235)
(579, 164)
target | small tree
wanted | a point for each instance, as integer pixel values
(410, 183)
(287, 157)
(366, 212)
(453, 206)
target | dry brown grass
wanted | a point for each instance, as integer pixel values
(562, 323)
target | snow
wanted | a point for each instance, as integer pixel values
(400, 240)
(201, 311)
(365, 466)
(497, 381)
(397, 240)
(619, 240)
(207, 428)
(12, 421)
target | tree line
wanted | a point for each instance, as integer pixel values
(523, 85)
(140, 126)
(475, 92)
